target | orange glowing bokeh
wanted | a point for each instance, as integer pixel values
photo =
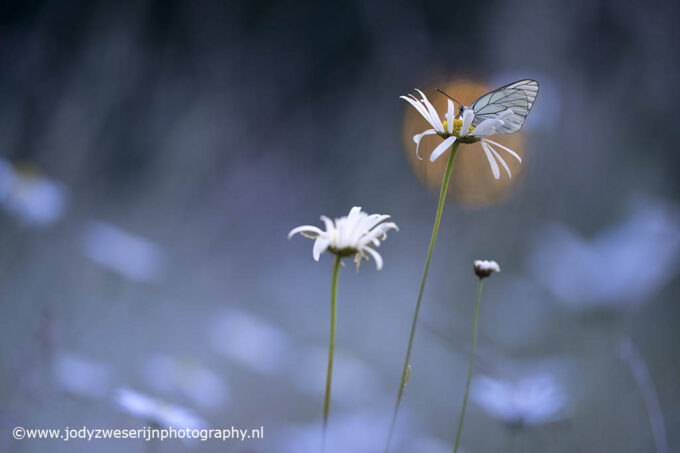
(472, 182)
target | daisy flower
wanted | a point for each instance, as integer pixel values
(358, 235)
(452, 129)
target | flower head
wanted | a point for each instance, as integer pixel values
(460, 128)
(358, 235)
(484, 268)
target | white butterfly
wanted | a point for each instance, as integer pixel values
(517, 96)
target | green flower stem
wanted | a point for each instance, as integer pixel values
(405, 374)
(331, 344)
(472, 359)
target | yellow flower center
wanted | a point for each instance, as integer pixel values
(457, 125)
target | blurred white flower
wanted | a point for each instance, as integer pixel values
(157, 411)
(529, 401)
(250, 340)
(356, 432)
(354, 381)
(32, 198)
(484, 268)
(82, 377)
(187, 377)
(130, 256)
(357, 234)
(622, 265)
(461, 129)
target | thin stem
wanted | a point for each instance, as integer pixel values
(640, 372)
(433, 239)
(331, 346)
(472, 360)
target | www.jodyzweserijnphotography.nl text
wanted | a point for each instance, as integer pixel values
(146, 433)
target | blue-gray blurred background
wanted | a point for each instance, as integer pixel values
(156, 154)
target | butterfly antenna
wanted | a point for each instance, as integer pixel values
(452, 98)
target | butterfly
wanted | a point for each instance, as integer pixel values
(517, 96)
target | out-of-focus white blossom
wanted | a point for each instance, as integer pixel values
(32, 198)
(250, 340)
(620, 266)
(82, 377)
(157, 411)
(532, 400)
(187, 377)
(354, 381)
(131, 256)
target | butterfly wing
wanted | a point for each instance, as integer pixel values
(518, 96)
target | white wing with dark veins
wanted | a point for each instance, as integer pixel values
(518, 96)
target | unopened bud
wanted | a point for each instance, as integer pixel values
(484, 268)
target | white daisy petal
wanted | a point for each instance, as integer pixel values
(514, 154)
(375, 220)
(327, 222)
(436, 122)
(418, 137)
(450, 116)
(423, 110)
(486, 127)
(320, 246)
(500, 159)
(309, 229)
(468, 117)
(443, 146)
(419, 107)
(388, 226)
(376, 257)
(494, 166)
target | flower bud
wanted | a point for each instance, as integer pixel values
(484, 268)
